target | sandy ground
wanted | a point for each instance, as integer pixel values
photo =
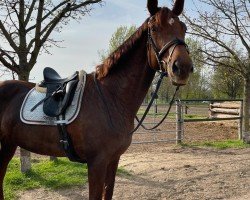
(160, 171)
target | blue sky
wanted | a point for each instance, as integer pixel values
(83, 40)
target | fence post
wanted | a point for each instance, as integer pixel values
(240, 123)
(179, 123)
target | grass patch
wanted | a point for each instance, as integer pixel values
(152, 113)
(57, 174)
(220, 144)
(47, 174)
(123, 172)
(194, 116)
(171, 115)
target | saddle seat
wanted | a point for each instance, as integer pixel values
(51, 76)
(59, 92)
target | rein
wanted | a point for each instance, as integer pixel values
(154, 95)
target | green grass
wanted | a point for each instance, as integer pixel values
(171, 115)
(123, 172)
(194, 116)
(220, 144)
(44, 174)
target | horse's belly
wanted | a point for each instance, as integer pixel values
(39, 139)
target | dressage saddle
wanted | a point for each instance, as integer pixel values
(60, 92)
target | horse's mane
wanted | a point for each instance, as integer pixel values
(111, 62)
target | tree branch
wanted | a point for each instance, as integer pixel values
(56, 8)
(8, 37)
(26, 21)
(13, 66)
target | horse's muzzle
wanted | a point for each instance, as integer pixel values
(179, 73)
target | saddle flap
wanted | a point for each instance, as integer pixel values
(51, 106)
(59, 98)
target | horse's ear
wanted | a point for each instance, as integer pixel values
(153, 6)
(178, 7)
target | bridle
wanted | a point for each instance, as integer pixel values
(159, 53)
(170, 46)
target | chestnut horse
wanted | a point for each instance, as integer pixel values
(102, 131)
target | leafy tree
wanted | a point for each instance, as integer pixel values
(198, 84)
(121, 34)
(223, 30)
(26, 28)
(226, 83)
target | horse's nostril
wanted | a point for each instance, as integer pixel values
(175, 68)
(192, 69)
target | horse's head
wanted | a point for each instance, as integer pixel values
(167, 50)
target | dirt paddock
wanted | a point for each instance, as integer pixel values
(171, 172)
(168, 172)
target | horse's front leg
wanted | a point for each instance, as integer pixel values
(110, 179)
(96, 176)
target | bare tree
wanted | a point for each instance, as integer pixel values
(223, 28)
(26, 27)
(25, 32)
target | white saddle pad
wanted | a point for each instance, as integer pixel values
(37, 116)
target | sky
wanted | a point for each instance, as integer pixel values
(82, 40)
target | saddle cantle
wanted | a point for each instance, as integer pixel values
(51, 76)
(59, 91)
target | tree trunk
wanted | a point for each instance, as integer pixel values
(25, 157)
(24, 76)
(246, 107)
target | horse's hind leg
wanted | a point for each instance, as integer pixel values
(7, 151)
(110, 179)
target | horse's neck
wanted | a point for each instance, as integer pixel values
(128, 85)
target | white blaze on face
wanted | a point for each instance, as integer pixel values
(171, 21)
